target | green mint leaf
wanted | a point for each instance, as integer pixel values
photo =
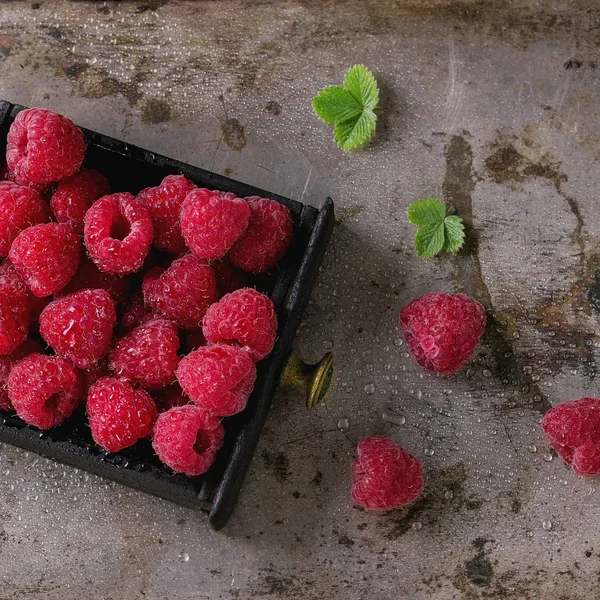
(430, 240)
(352, 134)
(335, 105)
(454, 234)
(359, 81)
(426, 212)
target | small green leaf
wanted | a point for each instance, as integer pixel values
(352, 134)
(335, 105)
(430, 240)
(426, 212)
(454, 234)
(359, 81)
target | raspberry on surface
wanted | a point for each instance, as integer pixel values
(266, 240)
(219, 378)
(169, 397)
(187, 439)
(181, 293)
(43, 146)
(164, 203)
(46, 257)
(228, 277)
(573, 430)
(79, 327)
(133, 312)
(119, 415)
(212, 222)
(28, 347)
(75, 194)
(384, 475)
(442, 330)
(245, 318)
(147, 355)
(118, 232)
(45, 390)
(16, 309)
(20, 208)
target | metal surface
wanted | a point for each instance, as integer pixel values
(491, 105)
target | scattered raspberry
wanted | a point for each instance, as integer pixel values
(16, 308)
(28, 347)
(164, 203)
(79, 327)
(118, 232)
(187, 439)
(442, 330)
(170, 397)
(212, 222)
(43, 147)
(20, 208)
(148, 354)
(219, 378)
(119, 415)
(46, 257)
(134, 312)
(183, 292)
(573, 430)
(384, 475)
(75, 194)
(228, 277)
(266, 239)
(45, 390)
(244, 317)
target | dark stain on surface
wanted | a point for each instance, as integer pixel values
(573, 63)
(273, 107)
(344, 540)
(479, 570)
(8, 43)
(278, 464)
(156, 111)
(347, 213)
(150, 5)
(98, 83)
(594, 292)
(233, 134)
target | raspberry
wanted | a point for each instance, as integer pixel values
(442, 330)
(43, 147)
(169, 397)
(181, 293)
(573, 430)
(384, 475)
(79, 327)
(46, 257)
(134, 312)
(16, 306)
(228, 277)
(147, 355)
(266, 239)
(94, 372)
(20, 208)
(164, 203)
(45, 390)
(244, 317)
(212, 222)
(187, 439)
(119, 415)
(118, 232)
(28, 347)
(219, 378)
(75, 194)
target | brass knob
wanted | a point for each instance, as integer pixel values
(314, 379)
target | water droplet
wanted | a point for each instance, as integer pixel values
(470, 373)
(547, 525)
(449, 495)
(532, 448)
(184, 557)
(529, 533)
(328, 344)
(417, 526)
(547, 457)
(398, 342)
(516, 335)
(393, 418)
(369, 388)
(527, 370)
(429, 451)
(487, 373)
(343, 424)
(537, 398)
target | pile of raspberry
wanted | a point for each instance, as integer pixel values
(136, 305)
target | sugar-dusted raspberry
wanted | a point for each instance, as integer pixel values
(245, 318)
(212, 222)
(187, 439)
(119, 415)
(43, 146)
(75, 194)
(16, 309)
(134, 313)
(181, 293)
(169, 397)
(266, 239)
(573, 430)
(442, 330)
(45, 390)
(20, 208)
(80, 326)
(28, 347)
(218, 378)
(118, 232)
(384, 475)
(148, 354)
(46, 257)
(228, 277)
(164, 203)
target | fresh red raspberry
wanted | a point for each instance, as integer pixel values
(118, 232)
(442, 330)
(164, 203)
(45, 390)
(266, 239)
(41, 188)
(245, 318)
(181, 293)
(28, 347)
(219, 378)
(80, 326)
(187, 439)
(212, 222)
(94, 372)
(20, 208)
(169, 397)
(16, 308)
(75, 194)
(43, 146)
(119, 415)
(134, 312)
(147, 355)
(228, 277)
(573, 430)
(384, 475)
